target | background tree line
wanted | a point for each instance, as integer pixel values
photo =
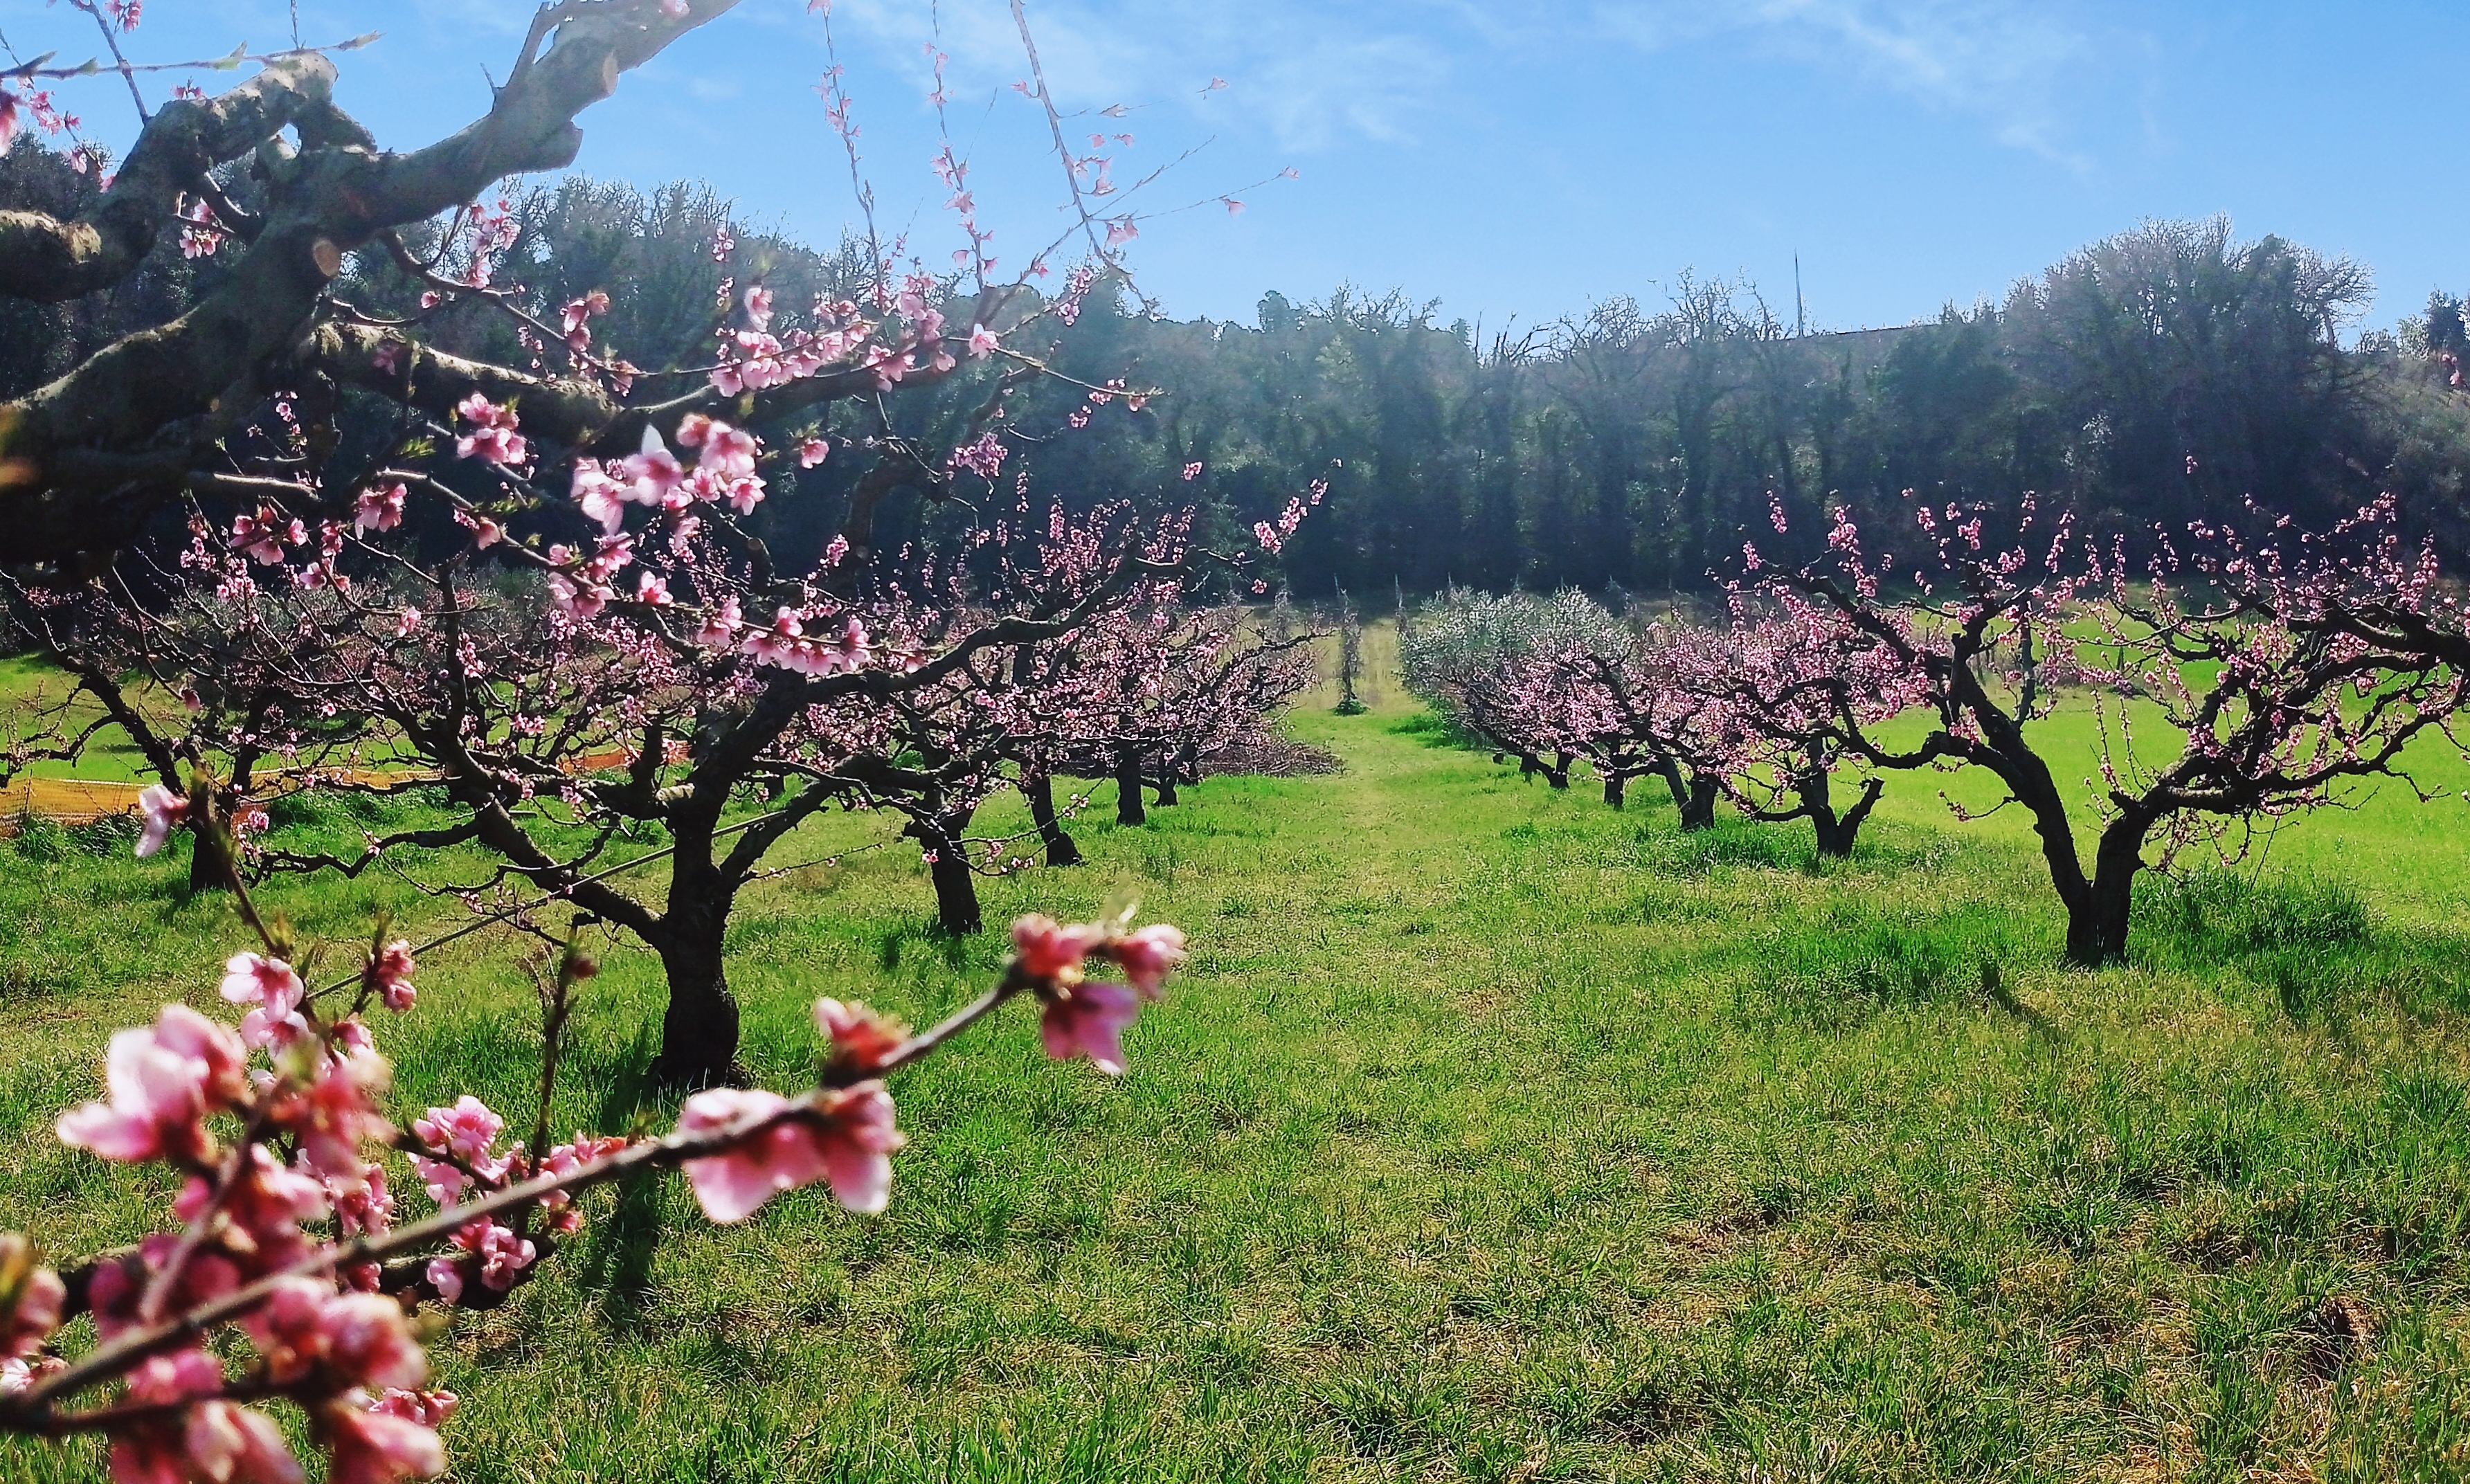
(2168, 373)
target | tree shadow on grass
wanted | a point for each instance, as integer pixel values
(953, 949)
(617, 1257)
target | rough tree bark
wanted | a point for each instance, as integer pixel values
(87, 458)
(699, 1027)
(1129, 809)
(1836, 832)
(1693, 792)
(956, 885)
(1061, 848)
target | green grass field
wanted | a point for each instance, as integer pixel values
(1490, 1134)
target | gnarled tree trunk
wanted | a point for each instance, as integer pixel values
(699, 1028)
(956, 885)
(1698, 807)
(2097, 922)
(1836, 832)
(1129, 809)
(210, 862)
(1693, 792)
(1060, 848)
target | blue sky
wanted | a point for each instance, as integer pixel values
(1515, 159)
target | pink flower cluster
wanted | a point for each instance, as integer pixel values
(160, 809)
(379, 509)
(162, 1082)
(264, 534)
(579, 585)
(788, 645)
(752, 359)
(1084, 1019)
(654, 476)
(493, 436)
(846, 1139)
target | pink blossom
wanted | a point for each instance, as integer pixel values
(759, 308)
(35, 1314)
(1190, 471)
(846, 1140)
(485, 532)
(720, 627)
(333, 1116)
(161, 809)
(1089, 1020)
(372, 1447)
(862, 1038)
(602, 498)
(846, 651)
(408, 622)
(388, 357)
(379, 510)
(579, 600)
(261, 1208)
(1048, 950)
(158, 1449)
(356, 1340)
(362, 1206)
(274, 991)
(985, 458)
(493, 436)
(427, 1408)
(264, 534)
(729, 451)
(212, 1440)
(466, 1130)
(982, 342)
(390, 973)
(812, 452)
(493, 1253)
(655, 472)
(1147, 956)
(162, 1082)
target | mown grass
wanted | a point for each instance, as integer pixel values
(1491, 1134)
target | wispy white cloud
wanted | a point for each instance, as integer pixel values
(1311, 76)
(1308, 78)
(2011, 63)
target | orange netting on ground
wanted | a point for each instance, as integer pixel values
(82, 802)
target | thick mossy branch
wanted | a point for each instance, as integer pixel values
(49, 260)
(87, 457)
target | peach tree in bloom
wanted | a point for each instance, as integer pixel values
(583, 637)
(1470, 657)
(549, 588)
(2259, 655)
